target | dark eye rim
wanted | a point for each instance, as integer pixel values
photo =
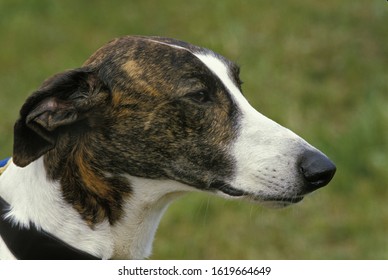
(200, 96)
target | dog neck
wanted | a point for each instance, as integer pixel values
(134, 233)
(36, 199)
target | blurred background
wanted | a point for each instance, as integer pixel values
(319, 68)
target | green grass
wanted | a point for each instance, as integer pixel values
(317, 67)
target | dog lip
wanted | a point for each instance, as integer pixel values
(227, 189)
(231, 191)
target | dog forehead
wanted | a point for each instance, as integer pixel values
(146, 47)
(209, 58)
(158, 59)
(202, 55)
(224, 69)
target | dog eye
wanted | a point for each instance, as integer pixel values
(201, 96)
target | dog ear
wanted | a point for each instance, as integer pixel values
(47, 111)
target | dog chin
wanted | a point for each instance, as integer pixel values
(281, 202)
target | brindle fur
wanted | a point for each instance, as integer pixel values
(137, 108)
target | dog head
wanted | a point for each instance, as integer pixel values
(162, 109)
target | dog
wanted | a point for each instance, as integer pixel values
(100, 151)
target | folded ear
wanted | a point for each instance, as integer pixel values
(49, 110)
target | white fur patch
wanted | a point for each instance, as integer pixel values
(134, 233)
(265, 152)
(35, 199)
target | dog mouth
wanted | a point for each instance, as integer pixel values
(267, 200)
(228, 189)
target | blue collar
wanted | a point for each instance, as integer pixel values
(3, 162)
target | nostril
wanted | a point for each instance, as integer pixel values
(317, 169)
(320, 177)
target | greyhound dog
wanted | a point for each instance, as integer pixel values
(100, 151)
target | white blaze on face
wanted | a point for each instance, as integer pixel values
(266, 153)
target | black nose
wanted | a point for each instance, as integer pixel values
(317, 169)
